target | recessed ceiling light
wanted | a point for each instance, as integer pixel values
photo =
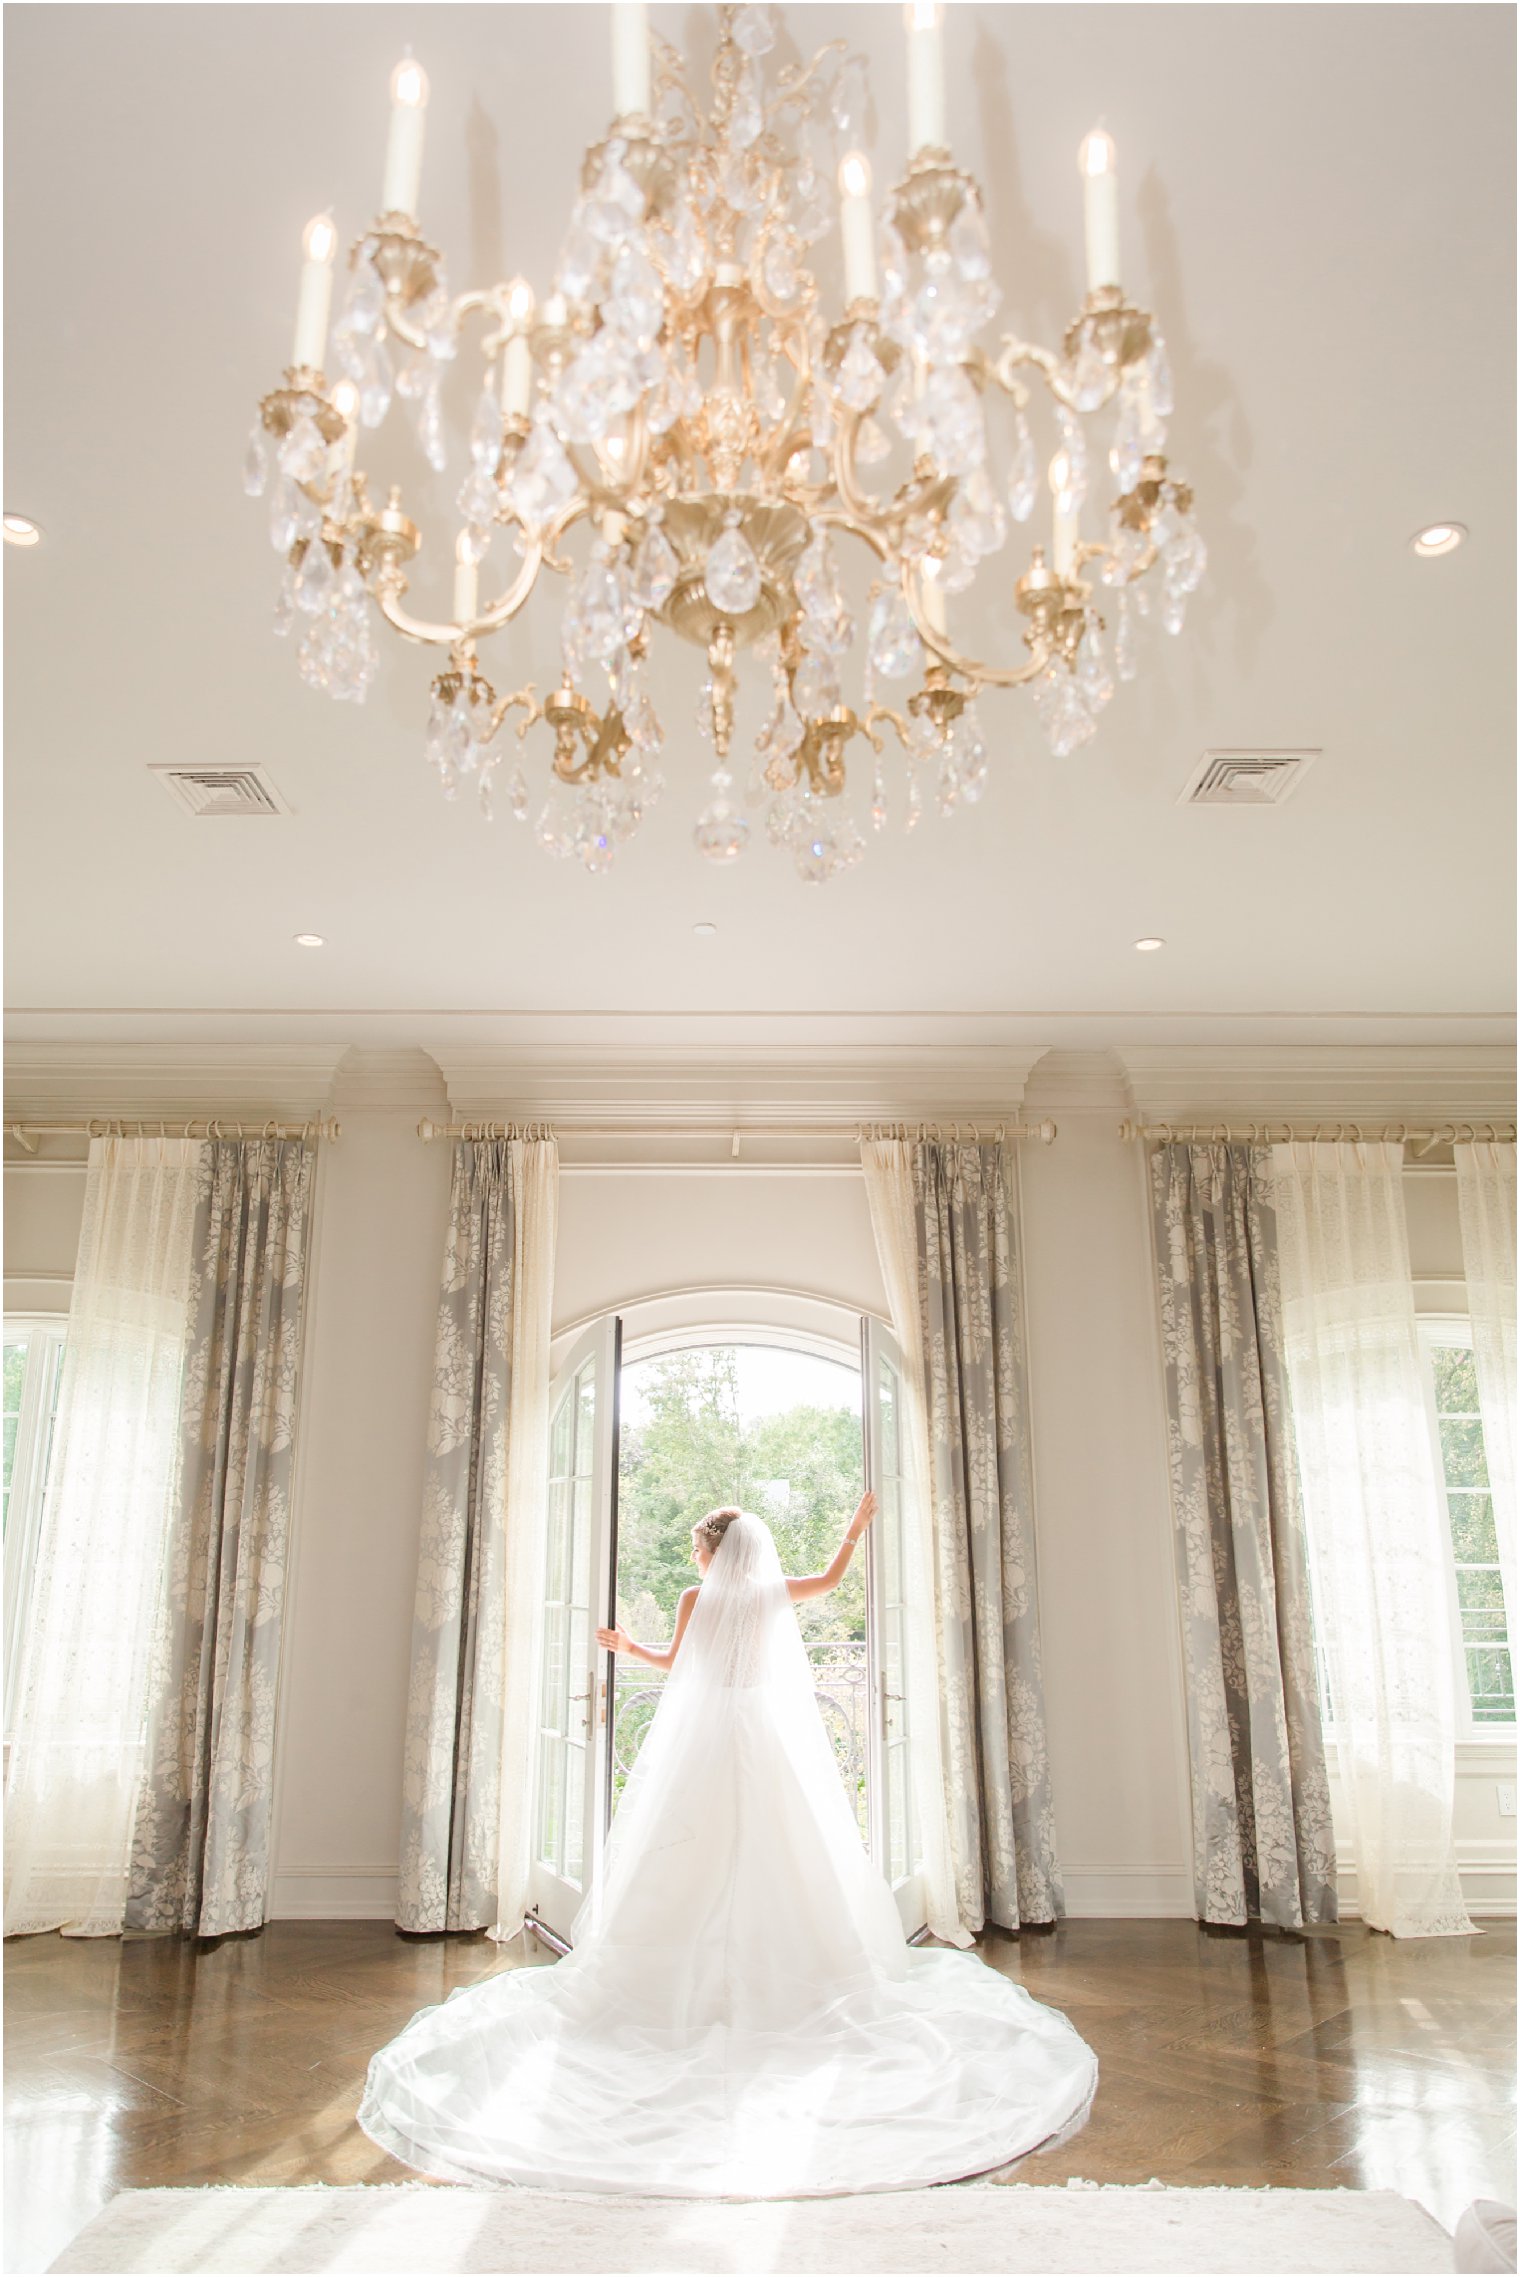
(19, 531)
(309, 941)
(1438, 537)
(704, 928)
(1151, 941)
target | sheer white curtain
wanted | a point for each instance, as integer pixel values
(888, 1168)
(1486, 1196)
(1377, 1532)
(535, 1186)
(76, 1754)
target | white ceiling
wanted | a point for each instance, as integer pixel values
(1317, 201)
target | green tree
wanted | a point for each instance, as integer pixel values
(800, 1470)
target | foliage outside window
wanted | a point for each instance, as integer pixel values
(1480, 1616)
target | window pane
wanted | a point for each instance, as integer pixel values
(10, 1451)
(15, 1372)
(1472, 1528)
(1456, 1380)
(1490, 1679)
(1462, 1451)
(1480, 1591)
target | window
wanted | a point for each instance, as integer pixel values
(33, 1367)
(1479, 1615)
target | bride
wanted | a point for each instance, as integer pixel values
(741, 2016)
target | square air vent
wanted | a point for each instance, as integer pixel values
(222, 790)
(1245, 778)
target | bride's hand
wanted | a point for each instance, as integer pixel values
(612, 1640)
(865, 1511)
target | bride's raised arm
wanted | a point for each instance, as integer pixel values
(658, 1656)
(819, 1584)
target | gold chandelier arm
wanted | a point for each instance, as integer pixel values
(969, 667)
(467, 304)
(840, 518)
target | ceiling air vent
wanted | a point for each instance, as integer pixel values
(1245, 778)
(222, 790)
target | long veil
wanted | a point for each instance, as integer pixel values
(737, 1778)
(741, 2015)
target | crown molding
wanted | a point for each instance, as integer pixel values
(1201, 1083)
(247, 1081)
(721, 1082)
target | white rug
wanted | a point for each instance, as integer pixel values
(1010, 2228)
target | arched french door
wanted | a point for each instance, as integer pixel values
(576, 1766)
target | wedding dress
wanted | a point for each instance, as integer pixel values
(741, 2016)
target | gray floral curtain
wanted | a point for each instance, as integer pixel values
(997, 1770)
(1262, 1841)
(451, 1779)
(200, 1851)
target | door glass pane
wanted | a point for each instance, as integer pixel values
(1481, 1611)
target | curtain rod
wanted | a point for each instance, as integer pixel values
(1421, 1140)
(428, 1130)
(27, 1132)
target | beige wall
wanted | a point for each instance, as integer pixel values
(1113, 1677)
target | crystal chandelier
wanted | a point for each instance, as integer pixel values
(683, 394)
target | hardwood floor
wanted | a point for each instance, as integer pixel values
(1337, 2059)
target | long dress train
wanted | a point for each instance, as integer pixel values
(741, 2016)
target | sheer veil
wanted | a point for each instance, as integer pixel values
(740, 2015)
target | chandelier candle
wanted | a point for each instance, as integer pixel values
(1100, 208)
(857, 227)
(403, 152)
(926, 77)
(717, 429)
(630, 59)
(320, 242)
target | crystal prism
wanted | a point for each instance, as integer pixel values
(860, 375)
(315, 578)
(485, 432)
(755, 29)
(656, 567)
(892, 640)
(256, 462)
(542, 478)
(635, 302)
(732, 574)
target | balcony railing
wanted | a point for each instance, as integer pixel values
(840, 1685)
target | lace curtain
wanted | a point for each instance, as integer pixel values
(966, 1332)
(77, 1752)
(1486, 1198)
(200, 1852)
(1376, 1529)
(466, 1792)
(1263, 1846)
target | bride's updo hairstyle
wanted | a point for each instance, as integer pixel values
(711, 1529)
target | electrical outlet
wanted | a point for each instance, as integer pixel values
(1505, 1791)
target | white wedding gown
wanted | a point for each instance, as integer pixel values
(741, 2016)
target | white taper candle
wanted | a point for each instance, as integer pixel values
(857, 227)
(320, 242)
(403, 152)
(466, 582)
(1100, 208)
(630, 59)
(933, 597)
(517, 357)
(926, 78)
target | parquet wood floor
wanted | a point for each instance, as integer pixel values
(1336, 2059)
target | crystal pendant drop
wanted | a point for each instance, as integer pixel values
(287, 512)
(485, 432)
(315, 578)
(655, 569)
(892, 639)
(871, 444)
(878, 798)
(374, 387)
(1074, 450)
(285, 605)
(914, 811)
(732, 574)
(1128, 449)
(860, 375)
(755, 29)
(303, 454)
(1125, 661)
(256, 462)
(1024, 474)
(721, 833)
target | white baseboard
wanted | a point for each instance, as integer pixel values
(1124, 1892)
(321, 1893)
(1486, 1871)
